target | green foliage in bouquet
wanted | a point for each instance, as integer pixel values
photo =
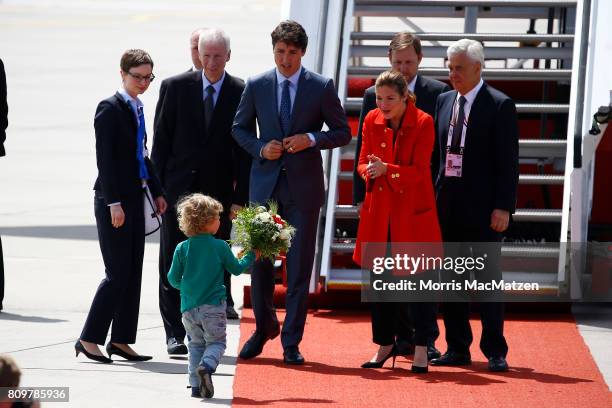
(261, 228)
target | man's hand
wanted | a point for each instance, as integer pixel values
(272, 150)
(161, 204)
(376, 168)
(296, 143)
(117, 215)
(500, 220)
(234, 211)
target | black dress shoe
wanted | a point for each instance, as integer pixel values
(292, 356)
(231, 313)
(176, 347)
(452, 359)
(79, 348)
(112, 349)
(254, 345)
(404, 348)
(432, 352)
(498, 364)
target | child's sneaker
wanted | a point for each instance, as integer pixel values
(195, 392)
(206, 385)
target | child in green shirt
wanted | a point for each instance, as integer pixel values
(197, 271)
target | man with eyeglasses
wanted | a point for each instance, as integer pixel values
(195, 153)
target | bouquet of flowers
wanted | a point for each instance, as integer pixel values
(259, 228)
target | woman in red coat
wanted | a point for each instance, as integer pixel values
(399, 205)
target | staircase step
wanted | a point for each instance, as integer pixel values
(452, 9)
(509, 251)
(527, 38)
(491, 52)
(353, 107)
(527, 148)
(537, 179)
(487, 73)
(521, 215)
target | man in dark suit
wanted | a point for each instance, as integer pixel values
(405, 55)
(290, 105)
(3, 126)
(194, 152)
(477, 132)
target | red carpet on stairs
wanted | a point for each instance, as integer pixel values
(551, 367)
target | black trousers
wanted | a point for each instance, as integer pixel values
(169, 297)
(300, 259)
(1, 275)
(117, 299)
(456, 314)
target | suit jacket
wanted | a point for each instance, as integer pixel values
(189, 157)
(118, 169)
(490, 160)
(402, 201)
(316, 102)
(3, 109)
(426, 91)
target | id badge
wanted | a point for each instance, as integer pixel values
(454, 164)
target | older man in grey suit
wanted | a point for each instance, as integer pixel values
(290, 104)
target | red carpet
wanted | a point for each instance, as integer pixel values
(550, 367)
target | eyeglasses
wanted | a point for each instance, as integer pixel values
(140, 78)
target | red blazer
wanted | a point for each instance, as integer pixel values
(402, 199)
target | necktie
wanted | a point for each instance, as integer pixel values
(285, 108)
(140, 136)
(458, 129)
(208, 106)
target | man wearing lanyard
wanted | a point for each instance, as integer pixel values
(477, 129)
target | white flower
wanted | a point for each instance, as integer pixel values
(275, 236)
(263, 217)
(260, 209)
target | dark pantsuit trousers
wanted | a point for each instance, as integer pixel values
(1, 275)
(387, 323)
(169, 297)
(117, 299)
(457, 314)
(300, 260)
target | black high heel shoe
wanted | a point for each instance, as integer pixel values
(379, 364)
(419, 369)
(79, 348)
(112, 349)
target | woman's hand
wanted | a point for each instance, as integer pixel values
(161, 204)
(376, 168)
(117, 215)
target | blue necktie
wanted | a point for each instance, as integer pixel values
(140, 135)
(285, 108)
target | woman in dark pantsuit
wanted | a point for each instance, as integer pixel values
(399, 205)
(123, 171)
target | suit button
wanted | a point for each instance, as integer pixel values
(396, 175)
(401, 191)
(383, 145)
(380, 188)
(392, 175)
(193, 172)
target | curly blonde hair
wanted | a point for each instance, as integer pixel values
(195, 211)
